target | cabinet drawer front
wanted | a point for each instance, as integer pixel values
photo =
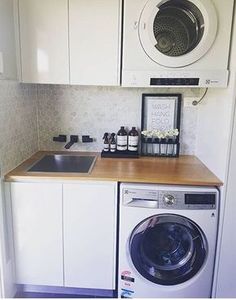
(90, 235)
(37, 226)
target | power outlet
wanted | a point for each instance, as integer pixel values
(188, 101)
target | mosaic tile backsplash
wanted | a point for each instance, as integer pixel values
(30, 115)
(94, 110)
(18, 123)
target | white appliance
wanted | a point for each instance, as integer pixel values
(167, 241)
(176, 43)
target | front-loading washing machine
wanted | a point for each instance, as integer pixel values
(167, 241)
(176, 42)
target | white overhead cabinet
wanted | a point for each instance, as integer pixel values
(37, 227)
(7, 41)
(43, 32)
(95, 41)
(90, 235)
(70, 41)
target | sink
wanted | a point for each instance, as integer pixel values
(64, 163)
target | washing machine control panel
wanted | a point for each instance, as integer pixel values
(182, 200)
(169, 199)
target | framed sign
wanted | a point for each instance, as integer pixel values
(161, 112)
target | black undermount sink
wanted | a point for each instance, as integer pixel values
(64, 163)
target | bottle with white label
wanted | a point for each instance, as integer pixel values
(106, 142)
(122, 139)
(113, 142)
(133, 140)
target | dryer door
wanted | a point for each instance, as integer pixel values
(176, 33)
(168, 249)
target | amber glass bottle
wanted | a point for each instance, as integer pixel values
(133, 140)
(122, 139)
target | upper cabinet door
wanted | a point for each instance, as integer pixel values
(7, 41)
(95, 41)
(44, 41)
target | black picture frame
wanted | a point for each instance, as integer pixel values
(177, 98)
(156, 116)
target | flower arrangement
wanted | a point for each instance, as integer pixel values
(160, 143)
(172, 133)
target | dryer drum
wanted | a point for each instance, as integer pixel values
(178, 27)
(168, 249)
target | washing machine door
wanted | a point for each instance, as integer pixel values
(168, 249)
(177, 33)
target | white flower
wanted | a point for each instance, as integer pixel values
(160, 134)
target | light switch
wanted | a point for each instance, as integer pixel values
(1, 63)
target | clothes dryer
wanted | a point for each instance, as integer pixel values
(176, 42)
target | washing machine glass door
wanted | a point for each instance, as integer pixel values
(168, 249)
(176, 33)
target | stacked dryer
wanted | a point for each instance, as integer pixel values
(176, 42)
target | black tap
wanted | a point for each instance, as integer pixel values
(73, 139)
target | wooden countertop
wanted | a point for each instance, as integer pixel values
(185, 170)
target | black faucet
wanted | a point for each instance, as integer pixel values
(73, 139)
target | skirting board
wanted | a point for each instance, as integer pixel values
(65, 290)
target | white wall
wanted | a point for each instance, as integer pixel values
(214, 128)
(215, 119)
(224, 285)
(214, 131)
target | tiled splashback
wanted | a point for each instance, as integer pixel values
(18, 123)
(30, 115)
(94, 110)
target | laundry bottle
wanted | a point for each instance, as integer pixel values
(113, 142)
(122, 139)
(133, 140)
(105, 142)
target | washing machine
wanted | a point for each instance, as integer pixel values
(167, 241)
(176, 42)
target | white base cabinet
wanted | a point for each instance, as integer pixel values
(65, 234)
(37, 223)
(89, 235)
